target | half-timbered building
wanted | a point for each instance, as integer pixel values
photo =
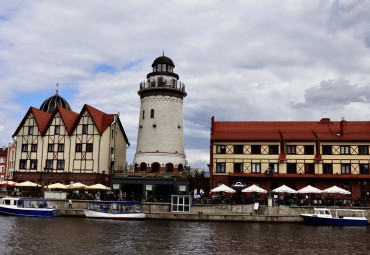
(296, 153)
(65, 146)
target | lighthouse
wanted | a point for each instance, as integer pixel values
(160, 140)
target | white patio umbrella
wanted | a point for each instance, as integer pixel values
(309, 190)
(77, 185)
(336, 190)
(98, 186)
(58, 186)
(223, 188)
(284, 189)
(254, 188)
(27, 184)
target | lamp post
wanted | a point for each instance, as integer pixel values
(47, 170)
(269, 173)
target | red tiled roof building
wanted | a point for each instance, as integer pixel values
(59, 145)
(297, 153)
(3, 163)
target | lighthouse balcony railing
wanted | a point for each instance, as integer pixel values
(162, 84)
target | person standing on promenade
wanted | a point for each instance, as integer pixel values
(70, 204)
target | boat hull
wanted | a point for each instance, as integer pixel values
(114, 216)
(314, 220)
(32, 212)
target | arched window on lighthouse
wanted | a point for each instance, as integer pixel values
(143, 167)
(155, 167)
(152, 113)
(169, 167)
(180, 167)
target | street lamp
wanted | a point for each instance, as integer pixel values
(270, 173)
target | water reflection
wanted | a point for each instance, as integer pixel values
(63, 235)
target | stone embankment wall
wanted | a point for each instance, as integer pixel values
(246, 213)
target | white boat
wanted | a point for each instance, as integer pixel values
(116, 210)
(27, 207)
(336, 217)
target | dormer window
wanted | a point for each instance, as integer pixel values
(154, 69)
(159, 67)
(163, 67)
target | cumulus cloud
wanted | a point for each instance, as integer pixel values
(245, 60)
(334, 94)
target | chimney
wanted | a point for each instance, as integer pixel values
(343, 127)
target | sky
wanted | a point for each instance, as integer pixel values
(240, 60)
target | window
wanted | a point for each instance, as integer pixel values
(60, 164)
(143, 166)
(22, 164)
(34, 147)
(159, 67)
(160, 81)
(291, 168)
(256, 149)
(89, 147)
(49, 164)
(2, 160)
(327, 168)
(143, 114)
(256, 168)
(169, 168)
(30, 130)
(220, 168)
(363, 149)
(275, 167)
(78, 147)
(346, 168)
(152, 113)
(57, 130)
(163, 67)
(2, 169)
(238, 167)
(33, 164)
(238, 149)
(84, 129)
(112, 133)
(291, 149)
(364, 168)
(50, 147)
(273, 149)
(24, 147)
(309, 149)
(221, 149)
(327, 150)
(344, 149)
(61, 147)
(309, 168)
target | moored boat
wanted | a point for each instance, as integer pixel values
(336, 217)
(116, 210)
(27, 207)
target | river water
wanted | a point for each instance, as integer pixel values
(77, 235)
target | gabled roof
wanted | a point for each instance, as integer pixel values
(42, 119)
(291, 130)
(100, 119)
(69, 118)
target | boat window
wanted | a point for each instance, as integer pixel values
(7, 202)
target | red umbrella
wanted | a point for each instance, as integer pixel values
(7, 183)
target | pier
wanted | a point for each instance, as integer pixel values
(245, 212)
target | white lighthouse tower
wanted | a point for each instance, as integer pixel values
(160, 140)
